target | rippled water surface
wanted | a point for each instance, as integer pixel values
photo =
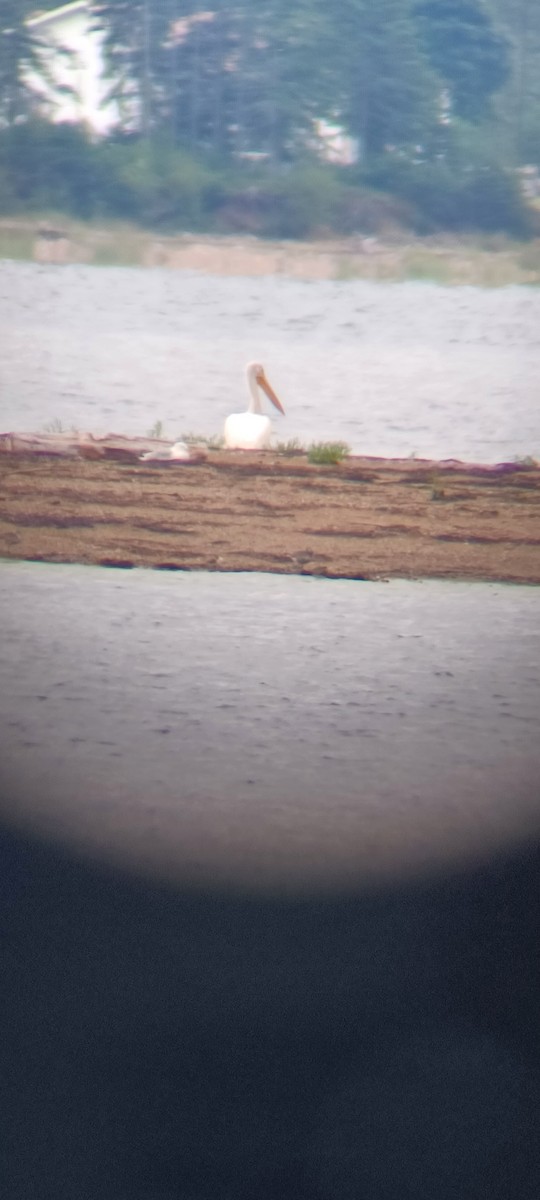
(247, 721)
(392, 369)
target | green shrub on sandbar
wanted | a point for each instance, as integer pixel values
(327, 453)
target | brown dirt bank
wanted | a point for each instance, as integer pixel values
(366, 518)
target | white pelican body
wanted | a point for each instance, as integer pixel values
(252, 430)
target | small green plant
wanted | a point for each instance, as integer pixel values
(288, 449)
(327, 453)
(54, 426)
(156, 431)
(213, 442)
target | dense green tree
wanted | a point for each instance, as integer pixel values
(237, 77)
(129, 39)
(386, 94)
(218, 107)
(281, 75)
(518, 106)
(19, 53)
(249, 78)
(467, 52)
(51, 166)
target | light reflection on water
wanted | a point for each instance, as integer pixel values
(252, 722)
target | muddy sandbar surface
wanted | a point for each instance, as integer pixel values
(233, 511)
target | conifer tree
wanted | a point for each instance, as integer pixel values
(19, 54)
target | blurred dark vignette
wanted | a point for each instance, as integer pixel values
(175, 1043)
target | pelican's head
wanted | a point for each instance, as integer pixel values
(255, 372)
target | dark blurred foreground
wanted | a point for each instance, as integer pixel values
(161, 1043)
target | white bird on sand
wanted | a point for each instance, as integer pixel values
(178, 452)
(252, 430)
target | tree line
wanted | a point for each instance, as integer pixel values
(218, 110)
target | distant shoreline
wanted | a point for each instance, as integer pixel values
(494, 261)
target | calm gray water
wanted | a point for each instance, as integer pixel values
(393, 369)
(248, 724)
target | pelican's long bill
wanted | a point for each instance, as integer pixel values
(266, 387)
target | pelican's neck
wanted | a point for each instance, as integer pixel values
(254, 405)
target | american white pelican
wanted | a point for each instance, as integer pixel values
(169, 453)
(252, 430)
